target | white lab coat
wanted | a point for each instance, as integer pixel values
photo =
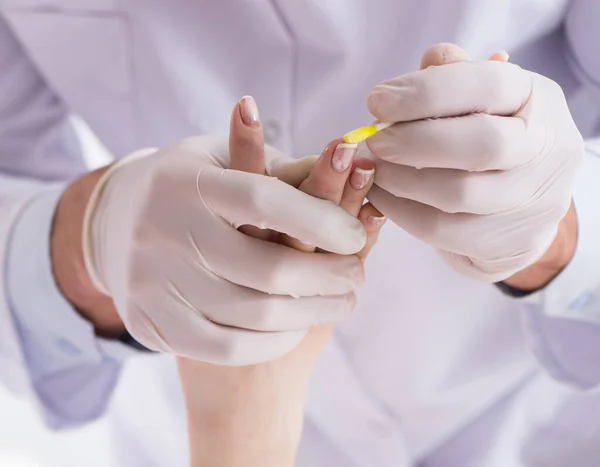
(432, 369)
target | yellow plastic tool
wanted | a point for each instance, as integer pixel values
(361, 134)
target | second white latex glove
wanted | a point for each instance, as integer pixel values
(480, 163)
(161, 239)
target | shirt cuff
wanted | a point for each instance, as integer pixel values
(54, 336)
(563, 320)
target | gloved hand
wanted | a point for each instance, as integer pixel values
(161, 238)
(480, 163)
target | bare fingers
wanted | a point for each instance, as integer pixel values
(247, 150)
(373, 220)
(327, 180)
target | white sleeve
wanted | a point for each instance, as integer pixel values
(563, 320)
(71, 372)
(47, 351)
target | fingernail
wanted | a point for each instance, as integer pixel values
(376, 221)
(342, 156)
(249, 111)
(360, 178)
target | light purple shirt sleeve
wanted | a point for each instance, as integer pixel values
(72, 371)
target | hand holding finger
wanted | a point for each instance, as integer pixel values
(326, 181)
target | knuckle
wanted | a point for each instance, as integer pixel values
(325, 188)
(276, 278)
(425, 91)
(436, 228)
(260, 193)
(494, 144)
(451, 232)
(478, 194)
(464, 195)
(265, 319)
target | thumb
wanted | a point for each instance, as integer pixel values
(445, 52)
(246, 140)
(442, 54)
(501, 56)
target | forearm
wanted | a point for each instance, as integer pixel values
(558, 256)
(252, 416)
(69, 269)
(249, 416)
(48, 349)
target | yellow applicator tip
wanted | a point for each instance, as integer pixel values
(361, 134)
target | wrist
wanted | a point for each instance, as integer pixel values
(68, 266)
(249, 416)
(556, 258)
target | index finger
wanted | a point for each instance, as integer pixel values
(452, 90)
(248, 199)
(246, 140)
(247, 148)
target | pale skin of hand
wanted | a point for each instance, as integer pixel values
(252, 416)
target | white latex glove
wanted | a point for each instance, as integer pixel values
(160, 238)
(480, 163)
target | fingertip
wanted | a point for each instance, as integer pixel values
(501, 56)
(363, 163)
(350, 241)
(248, 109)
(246, 141)
(377, 222)
(361, 179)
(245, 114)
(375, 100)
(373, 221)
(371, 217)
(442, 54)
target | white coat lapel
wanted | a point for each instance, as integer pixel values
(83, 49)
